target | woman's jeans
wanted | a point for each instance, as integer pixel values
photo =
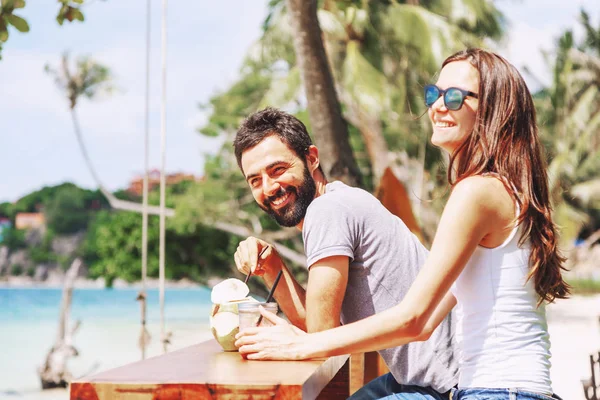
(497, 394)
(386, 387)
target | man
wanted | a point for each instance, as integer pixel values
(361, 259)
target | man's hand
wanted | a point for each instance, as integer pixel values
(246, 257)
(283, 341)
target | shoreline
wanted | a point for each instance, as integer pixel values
(105, 344)
(25, 282)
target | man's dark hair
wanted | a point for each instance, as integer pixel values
(272, 122)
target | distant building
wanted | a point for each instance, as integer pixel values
(136, 186)
(4, 226)
(29, 220)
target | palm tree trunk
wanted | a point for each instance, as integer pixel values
(331, 131)
(82, 146)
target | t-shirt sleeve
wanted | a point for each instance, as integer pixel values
(329, 230)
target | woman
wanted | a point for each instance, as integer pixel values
(494, 254)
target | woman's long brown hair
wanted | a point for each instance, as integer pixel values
(505, 141)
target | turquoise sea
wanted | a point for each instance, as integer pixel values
(107, 337)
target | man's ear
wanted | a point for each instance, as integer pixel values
(312, 158)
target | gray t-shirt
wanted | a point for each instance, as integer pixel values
(385, 258)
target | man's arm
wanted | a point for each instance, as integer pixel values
(290, 295)
(327, 280)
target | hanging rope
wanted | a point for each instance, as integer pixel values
(163, 143)
(144, 334)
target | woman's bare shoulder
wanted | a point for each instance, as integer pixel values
(490, 192)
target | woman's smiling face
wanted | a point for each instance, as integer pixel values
(451, 128)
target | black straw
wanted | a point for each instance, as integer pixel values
(270, 296)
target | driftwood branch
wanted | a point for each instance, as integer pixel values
(284, 234)
(54, 373)
(238, 230)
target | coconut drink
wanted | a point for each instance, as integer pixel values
(224, 320)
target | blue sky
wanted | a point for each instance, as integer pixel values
(207, 42)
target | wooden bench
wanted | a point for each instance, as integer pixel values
(204, 371)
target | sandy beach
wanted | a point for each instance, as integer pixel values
(573, 325)
(95, 359)
(575, 334)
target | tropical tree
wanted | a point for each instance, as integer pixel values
(379, 52)
(67, 211)
(88, 79)
(323, 105)
(569, 117)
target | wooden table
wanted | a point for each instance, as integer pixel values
(205, 371)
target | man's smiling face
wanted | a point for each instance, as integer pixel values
(280, 181)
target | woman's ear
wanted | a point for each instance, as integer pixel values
(312, 158)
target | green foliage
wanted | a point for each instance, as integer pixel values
(37, 200)
(585, 286)
(39, 255)
(229, 108)
(66, 212)
(7, 210)
(66, 206)
(569, 119)
(87, 78)
(69, 10)
(14, 238)
(8, 18)
(113, 249)
(42, 253)
(592, 35)
(380, 53)
(16, 269)
(19, 23)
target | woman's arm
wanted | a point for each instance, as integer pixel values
(471, 214)
(447, 304)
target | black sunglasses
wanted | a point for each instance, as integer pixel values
(453, 97)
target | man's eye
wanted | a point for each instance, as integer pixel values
(254, 182)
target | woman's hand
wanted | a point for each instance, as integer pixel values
(283, 341)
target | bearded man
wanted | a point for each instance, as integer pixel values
(361, 259)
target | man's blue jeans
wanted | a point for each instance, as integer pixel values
(498, 394)
(386, 385)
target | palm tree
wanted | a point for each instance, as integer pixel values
(569, 114)
(88, 79)
(378, 50)
(323, 104)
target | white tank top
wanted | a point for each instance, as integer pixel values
(502, 334)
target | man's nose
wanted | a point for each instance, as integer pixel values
(270, 186)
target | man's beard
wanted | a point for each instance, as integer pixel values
(294, 212)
